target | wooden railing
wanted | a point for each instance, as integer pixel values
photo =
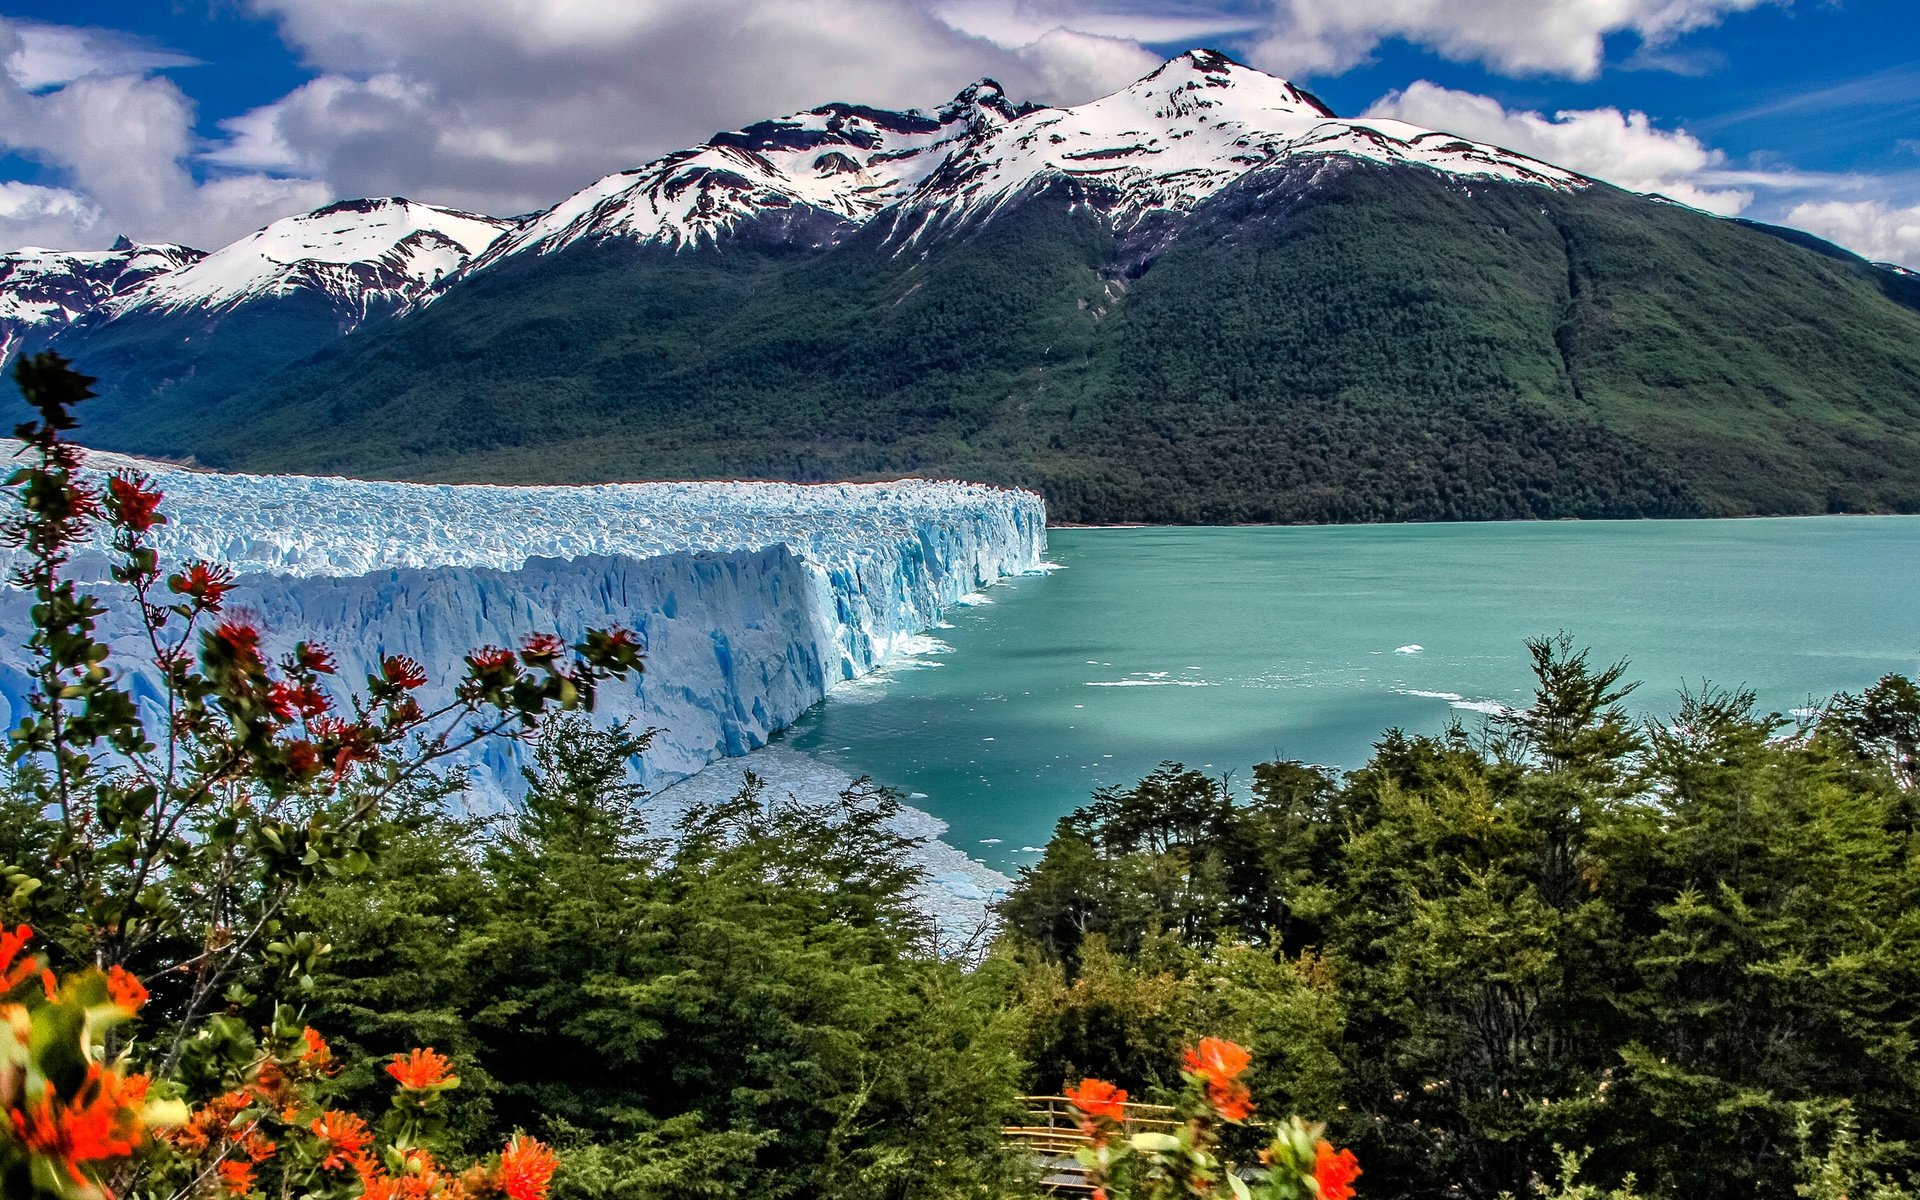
(1050, 1131)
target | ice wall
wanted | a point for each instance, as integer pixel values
(751, 599)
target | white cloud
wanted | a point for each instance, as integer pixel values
(1873, 229)
(44, 56)
(1022, 22)
(119, 146)
(33, 215)
(1545, 37)
(1623, 148)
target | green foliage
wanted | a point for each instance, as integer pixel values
(1667, 946)
(752, 1009)
(1327, 341)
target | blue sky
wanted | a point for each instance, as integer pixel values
(198, 120)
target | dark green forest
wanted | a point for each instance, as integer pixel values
(1683, 951)
(1324, 341)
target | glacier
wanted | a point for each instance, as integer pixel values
(751, 599)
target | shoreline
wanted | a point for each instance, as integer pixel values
(956, 891)
(1504, 521)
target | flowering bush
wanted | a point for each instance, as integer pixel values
(178, 852)
(1298, 1163)
(68, 1113)
(71, 1116)
(181, 853)
(277, 1134)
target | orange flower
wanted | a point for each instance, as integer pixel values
(1230, 1099)
(97, 1123)
(526, 1167)
(316, 1054)
(1334, 1171)
(1217, 1059)
(419, 1070)
(236, 1177)
(344, 1136)
(255, 1145)
(13, 974)
(1098, 1098)
(379, 1187)
(124, 990)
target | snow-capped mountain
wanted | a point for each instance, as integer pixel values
(42, 291)
(1162, 145)
(1180, 135)
(832, 167)
(358, 254)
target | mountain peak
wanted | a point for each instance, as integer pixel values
(984, 99)
(384, 248)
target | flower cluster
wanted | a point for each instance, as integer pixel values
(68, 1114)
(1151, 1159)
(277, 1134)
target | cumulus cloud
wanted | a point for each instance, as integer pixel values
(1873, 229)
(32, 215)
(1623, 148)
(503, 106)
(120, 146)
(1546, 37)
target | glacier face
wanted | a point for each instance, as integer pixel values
(751, 599)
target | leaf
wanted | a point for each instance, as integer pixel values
(1151, 1142)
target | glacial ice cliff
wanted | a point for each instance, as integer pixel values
(751, 598)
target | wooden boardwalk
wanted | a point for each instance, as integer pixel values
(1050, 1131)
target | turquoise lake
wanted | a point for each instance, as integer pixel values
(1221, 648)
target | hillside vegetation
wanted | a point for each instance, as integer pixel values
(1333, 341)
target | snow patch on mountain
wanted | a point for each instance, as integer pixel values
(44, 291)
(358, 254)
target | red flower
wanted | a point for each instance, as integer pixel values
(205, 583)
(236, 1177)
(345, 743)
(1334, 1171)
(290, 700)
(1098, 1098)
(312, 656)
(526, 1167)
(133, 503)
(302, 758)
(1217, 1059)
(124, 990)
(343, 1136)
(403, 672)
(419, 1070)
(543, 648)
(490, 658)
(240, 638)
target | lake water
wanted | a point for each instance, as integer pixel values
(1221, 648)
